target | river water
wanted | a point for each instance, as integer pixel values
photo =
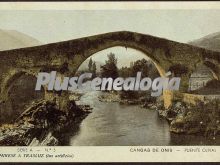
(113, 124)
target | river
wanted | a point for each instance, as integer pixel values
(113, 124)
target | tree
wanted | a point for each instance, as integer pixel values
(140, 66)
(94, 69)
(110, 68)
(147, 69)
(90, 64)
(125, 72)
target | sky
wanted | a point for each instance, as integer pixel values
(54, 26)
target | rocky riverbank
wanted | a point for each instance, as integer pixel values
(43, 124)
(116, 97)
(202, 119)
(109, 97)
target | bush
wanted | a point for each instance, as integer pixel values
(199, 119)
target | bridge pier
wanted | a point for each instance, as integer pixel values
(168, 98)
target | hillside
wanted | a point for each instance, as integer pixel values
(12, 39)
(211, 42)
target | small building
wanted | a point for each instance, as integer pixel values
(200, 77)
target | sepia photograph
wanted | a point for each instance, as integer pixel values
(110, 78)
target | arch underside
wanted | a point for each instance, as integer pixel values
(167, 94)
(147, 52)
(9, 81)
(213, 68)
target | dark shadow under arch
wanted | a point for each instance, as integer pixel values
(19, 93)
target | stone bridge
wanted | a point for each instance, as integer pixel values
(66, 57)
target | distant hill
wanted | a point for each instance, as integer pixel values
(211, 42)
(12, 39)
